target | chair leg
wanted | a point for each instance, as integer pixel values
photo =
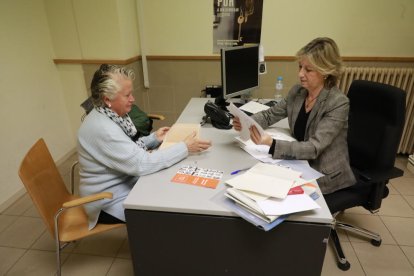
(58, 263)
(375, 238)
(342, 262)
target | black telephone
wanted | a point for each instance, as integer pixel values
(217, 116)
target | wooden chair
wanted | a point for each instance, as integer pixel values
(61, 211)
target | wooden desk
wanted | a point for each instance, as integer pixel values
(179, 229)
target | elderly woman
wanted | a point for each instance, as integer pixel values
(317, 112)
(111, 156)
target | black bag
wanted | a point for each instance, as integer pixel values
(218, 117)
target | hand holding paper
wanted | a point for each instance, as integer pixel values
(246, 122)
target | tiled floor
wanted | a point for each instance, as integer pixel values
(26, 248)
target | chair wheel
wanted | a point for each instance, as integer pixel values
(344, 266)
(375, 242)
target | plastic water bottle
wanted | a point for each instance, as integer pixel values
(279, 89)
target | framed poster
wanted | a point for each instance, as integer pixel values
(236, 22)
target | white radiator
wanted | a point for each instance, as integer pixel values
(399, 77)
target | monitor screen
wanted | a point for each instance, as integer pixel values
(239, 70)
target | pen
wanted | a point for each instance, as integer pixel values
(237, 171)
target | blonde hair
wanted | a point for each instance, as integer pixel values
(323, 54)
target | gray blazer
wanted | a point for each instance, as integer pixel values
(325, 144)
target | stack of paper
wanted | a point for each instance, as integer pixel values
(269, 191)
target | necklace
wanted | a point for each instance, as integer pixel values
(308, 103)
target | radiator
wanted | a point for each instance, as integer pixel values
(399, 77)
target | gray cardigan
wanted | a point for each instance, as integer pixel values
(111, 162)
(325, 144)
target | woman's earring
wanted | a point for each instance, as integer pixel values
(109, 105)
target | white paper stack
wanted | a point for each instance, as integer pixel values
(264, 191)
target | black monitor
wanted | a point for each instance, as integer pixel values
(239, 70)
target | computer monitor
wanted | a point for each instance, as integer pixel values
(239, 70)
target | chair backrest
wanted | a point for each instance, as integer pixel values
(376, 122)
(43, 182)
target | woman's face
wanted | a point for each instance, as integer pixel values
(124, 99)
(309, 78)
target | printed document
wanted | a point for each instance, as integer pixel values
(245, 121)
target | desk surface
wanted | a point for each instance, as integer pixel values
(156, 192)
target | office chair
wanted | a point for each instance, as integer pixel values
(61, 211)
(376, 122)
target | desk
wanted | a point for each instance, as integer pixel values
(178, 229)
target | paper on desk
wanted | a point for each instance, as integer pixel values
(246, 122)
(254, 107)
(261, 184)
(291, 204)
(308, 173)
(178, 132)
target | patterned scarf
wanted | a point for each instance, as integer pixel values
(125, 123)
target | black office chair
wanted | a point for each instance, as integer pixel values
(376, 122)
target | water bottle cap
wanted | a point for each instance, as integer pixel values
(280, 78)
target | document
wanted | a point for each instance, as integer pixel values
(254, 107)
(246, 122)
(291, 204)
(266, 180)
(178, 132)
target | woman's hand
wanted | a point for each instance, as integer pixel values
(258, 139)
(196, 145)
(161, 132)
(236, 124)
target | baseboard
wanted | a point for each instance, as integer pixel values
(12, 199)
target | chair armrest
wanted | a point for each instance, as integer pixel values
(156, 117)
(86, 199)
(376, 176)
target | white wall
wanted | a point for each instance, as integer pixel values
(31, 93)
(361, 28)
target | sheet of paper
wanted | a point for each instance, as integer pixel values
(178, 132)
(291, 204)
(303, 166)
(246, 122)
(254, 107)
(261, 184)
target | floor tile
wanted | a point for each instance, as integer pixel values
(409, 252)
(6, 221)
(31, 212)
(392, 190)
(410, 200)
(9, 256)
(371, 223)
(121, 267)
(20, 206)
(104, 244)
(402, 229)
(330, 264)
(22, 233)
(395, 205)
(404, 185)
(78, 264)
(124, 252)
(47, 243)
(35, 262)
(384, 260)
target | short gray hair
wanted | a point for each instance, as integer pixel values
(105, 82)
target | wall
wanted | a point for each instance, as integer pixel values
(31, 93)
(361, 28)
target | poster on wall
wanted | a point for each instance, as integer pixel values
(236, 22)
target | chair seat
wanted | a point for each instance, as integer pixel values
(73, 225)
(357, 195)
